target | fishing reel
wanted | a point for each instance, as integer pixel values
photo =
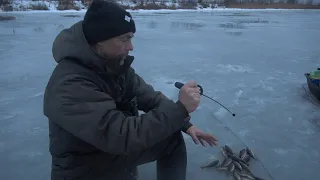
(180, 84)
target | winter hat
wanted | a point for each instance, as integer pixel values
(104, 20)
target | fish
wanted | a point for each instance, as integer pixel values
(228, 149)
(245, 178)
(246, 158)
(245, 175)
(224, 152)
(242, 153)
(222, 168)
(226, 162)
(246, 168)
(235, 158)
(236, 176)
(258, 178)
(231, 167)
(237, 165)
(237, 171)
(213, 163)
(250, 152)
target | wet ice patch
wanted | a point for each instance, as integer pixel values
(38, 29)
(230, 25)
(186, 25)
(253, 21)
(227, 68)
(234, 33)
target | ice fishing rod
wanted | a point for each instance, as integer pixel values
(180, 84)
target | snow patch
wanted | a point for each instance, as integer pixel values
(37, 95)
(238, 95)
(243, 132)
(186, 137)
(220, 112)
(8, 116)
(227, 68)
(257, 100)
(304, 132)
(282, 151)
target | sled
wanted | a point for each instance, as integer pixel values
(313, 88)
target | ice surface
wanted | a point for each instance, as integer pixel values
(255, 68)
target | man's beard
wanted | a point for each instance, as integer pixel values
(121, 62)
(122, 59)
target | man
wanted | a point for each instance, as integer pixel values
(92, 101)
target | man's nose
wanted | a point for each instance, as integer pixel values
(130, 46)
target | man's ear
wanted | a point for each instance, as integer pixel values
(99, 44)
(96, 47)
(102, 44)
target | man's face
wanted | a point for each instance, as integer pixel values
(116, 48)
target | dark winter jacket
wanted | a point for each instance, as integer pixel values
(92, 104)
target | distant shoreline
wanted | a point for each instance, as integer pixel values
(2, 13)
(77, 6)
(273, 6)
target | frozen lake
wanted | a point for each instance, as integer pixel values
(251, 61)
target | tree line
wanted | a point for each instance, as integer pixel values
(226, 3)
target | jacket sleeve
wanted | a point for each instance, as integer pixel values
(77, 105)
(148, 98)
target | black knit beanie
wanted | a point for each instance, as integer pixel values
(104, 20)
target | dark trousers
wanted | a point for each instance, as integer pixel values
(170, 155)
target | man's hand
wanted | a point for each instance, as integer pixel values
(199, 136)
(189, 96)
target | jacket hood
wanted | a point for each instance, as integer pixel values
(71, 43)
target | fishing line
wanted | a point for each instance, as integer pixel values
(234, 134)
(179, 85)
